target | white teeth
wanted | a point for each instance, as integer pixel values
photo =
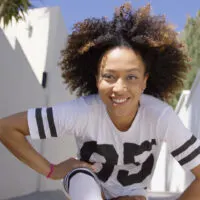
(119, 100)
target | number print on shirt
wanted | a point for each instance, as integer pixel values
(131, 150)
(105, 150)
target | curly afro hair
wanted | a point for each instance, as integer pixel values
(163, 54)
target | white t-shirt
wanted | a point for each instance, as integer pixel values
(126, 160)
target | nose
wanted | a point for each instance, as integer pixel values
(119, 86)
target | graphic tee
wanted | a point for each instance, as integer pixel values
(125, 160)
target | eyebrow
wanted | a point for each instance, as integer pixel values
(129, 70)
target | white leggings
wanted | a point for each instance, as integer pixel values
(82, 184)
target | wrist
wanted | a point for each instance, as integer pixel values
(51, 170)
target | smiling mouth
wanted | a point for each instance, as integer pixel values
(119, 101)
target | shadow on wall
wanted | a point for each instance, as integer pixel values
(19, 90)
(19, 86)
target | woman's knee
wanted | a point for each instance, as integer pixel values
(82, 184)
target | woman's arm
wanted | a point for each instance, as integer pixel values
(193, 191)
(13, 132)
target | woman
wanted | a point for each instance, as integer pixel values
(125, 70)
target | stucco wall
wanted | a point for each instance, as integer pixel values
(19, 89)
(23, 58)
(59, 149)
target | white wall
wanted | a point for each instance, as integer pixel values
(188, 110)
(23, 58)
(32, 34)
(18, 88)
(158, 182)
(194, 107)
(59, 149)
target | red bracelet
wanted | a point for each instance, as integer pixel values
(51, 170)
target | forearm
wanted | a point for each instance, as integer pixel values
(18, 145)
(192, 192)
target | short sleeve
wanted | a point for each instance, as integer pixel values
(182, 144)
(66, 118)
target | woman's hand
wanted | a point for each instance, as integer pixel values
(61, 169)
(130, 198)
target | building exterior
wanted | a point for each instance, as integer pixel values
(27, 50)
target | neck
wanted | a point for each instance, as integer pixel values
(123, 123)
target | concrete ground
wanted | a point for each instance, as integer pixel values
(50, 195)
(59, 195)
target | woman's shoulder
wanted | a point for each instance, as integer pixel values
(91, 100)
(153, 105)
(81, 104)
(92, 103)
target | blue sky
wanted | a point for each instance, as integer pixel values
(176, 11)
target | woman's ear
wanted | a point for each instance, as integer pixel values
(97, 80)
(146, 76)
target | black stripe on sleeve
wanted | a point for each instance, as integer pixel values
(184, 146)
(51, 122)
(38, 115)
(190, 156)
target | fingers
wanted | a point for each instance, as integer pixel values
(87, 165)
(78, 164)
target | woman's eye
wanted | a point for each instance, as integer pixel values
(131, 77)
(108, 76)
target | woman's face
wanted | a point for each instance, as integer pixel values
(121, 80)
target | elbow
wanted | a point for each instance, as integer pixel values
(14, 125)
(1, 129)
